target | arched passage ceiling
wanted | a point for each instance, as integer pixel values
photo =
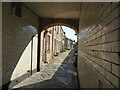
(55, 9)
(86, 12)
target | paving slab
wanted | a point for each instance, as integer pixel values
(60, 72)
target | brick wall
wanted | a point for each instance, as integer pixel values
(54, 33)
(99, 50)
(17, 33)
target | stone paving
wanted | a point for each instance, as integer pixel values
(59, 73)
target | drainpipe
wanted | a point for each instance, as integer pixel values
(31, 53)
(38, 51)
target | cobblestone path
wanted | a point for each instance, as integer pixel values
(59, 73)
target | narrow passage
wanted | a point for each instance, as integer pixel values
(59, 73)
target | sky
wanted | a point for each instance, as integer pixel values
(70, 33)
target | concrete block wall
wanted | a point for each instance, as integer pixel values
(17, 33)
(99, 50)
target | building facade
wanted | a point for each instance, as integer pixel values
(52, 43)
(68, 43)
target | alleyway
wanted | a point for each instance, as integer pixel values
(59, 73)
(32, 34)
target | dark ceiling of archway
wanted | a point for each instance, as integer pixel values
(85, 11)
(55, 9)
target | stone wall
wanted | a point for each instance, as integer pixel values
(99, 49)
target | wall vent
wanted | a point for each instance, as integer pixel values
(17, 8)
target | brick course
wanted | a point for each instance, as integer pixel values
(102, 46)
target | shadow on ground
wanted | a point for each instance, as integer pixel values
(64, 77)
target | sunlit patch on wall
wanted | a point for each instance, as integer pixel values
(30, 28)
